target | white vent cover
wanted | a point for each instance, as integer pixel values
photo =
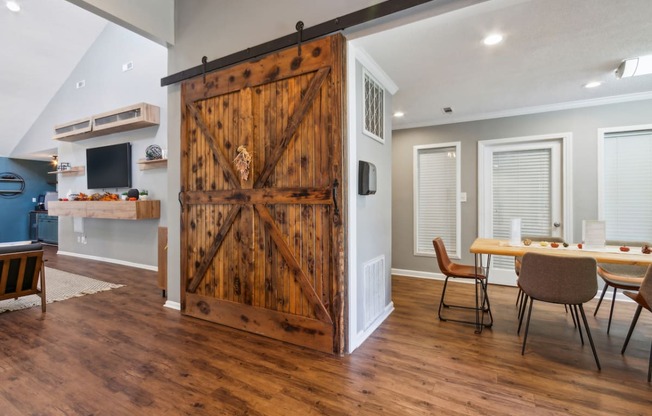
(374, 287)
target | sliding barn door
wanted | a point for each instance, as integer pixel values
(262, 218)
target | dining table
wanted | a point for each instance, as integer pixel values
(606, 254)
(491, 246)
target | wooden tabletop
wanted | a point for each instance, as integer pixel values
(609, 254)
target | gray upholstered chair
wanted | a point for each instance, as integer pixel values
(644, 300)
(563, 280)
(21, 270)
(455, 270)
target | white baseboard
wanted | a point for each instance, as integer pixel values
(362, 336)
(419, 274)
(108, 260)
(172, 305)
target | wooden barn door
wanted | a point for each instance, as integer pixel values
(262, 250)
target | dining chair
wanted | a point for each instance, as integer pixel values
(644, 300)
(619, 276)
(462, 271)
(563, 280)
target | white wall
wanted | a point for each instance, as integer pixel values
(153, 19)
(107, 88)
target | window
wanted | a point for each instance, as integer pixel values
(373, 108)
(436, 204)
(626, 187)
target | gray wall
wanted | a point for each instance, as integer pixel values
(108, 88)
(373, 212)
(582, 123)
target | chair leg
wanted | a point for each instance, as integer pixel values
(527, 326)
(572, 316)
(588, 334)
(611, 310)
(604, 290)
(441, 301)
(579, 327)
(519, 296)
(521, 313)
(42, 294)
(649, 367)
(631, 328)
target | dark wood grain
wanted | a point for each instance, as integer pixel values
(121, 353)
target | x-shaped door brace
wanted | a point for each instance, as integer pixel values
(259, 195)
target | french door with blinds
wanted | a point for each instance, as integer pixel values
(520, 178)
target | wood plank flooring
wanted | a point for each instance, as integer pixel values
(121, 353)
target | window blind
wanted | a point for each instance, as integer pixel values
(627, 185)
(436, 199)
(522, 188)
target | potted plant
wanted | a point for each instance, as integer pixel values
(123, 196)
(144, 194)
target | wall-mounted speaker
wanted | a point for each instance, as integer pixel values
(366, 178)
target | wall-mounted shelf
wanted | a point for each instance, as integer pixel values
(11, 184)
(144, 164)
(75, 170)
(122, 119)
(117, 210)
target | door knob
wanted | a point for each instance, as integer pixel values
(556, 224)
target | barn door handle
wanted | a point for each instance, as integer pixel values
(336, 213)
(180, 199)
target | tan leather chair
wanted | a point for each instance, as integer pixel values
(461, 271)
(618, 276)
(644, 300)
(563, 280)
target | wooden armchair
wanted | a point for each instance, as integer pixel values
(21, 269)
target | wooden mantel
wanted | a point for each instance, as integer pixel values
(117, 210)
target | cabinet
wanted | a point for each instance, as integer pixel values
(47, 228)
(132, 117)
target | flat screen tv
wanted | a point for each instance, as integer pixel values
(109, 166)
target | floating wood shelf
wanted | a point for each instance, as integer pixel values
(122, 119)
(145, 164)
(117, 210)
(75, 170)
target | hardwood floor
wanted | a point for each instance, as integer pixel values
(121, 353)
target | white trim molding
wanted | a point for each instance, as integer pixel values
(109, 260)
(361, 336)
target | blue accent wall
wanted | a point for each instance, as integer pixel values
(14, 210)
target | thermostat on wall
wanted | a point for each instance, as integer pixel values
(366, 178)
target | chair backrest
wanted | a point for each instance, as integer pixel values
(645, 291)
(443, 260)
(19, 269)
(557, 279)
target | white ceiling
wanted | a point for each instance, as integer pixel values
(551, 49)
(41, 45)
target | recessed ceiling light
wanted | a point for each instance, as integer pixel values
(399, 114)
(592, 84)
(13, 6)
(494, 39)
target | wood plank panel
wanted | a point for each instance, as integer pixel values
(315, 334)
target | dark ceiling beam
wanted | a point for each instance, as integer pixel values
(340, 23)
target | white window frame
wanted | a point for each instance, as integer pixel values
(367, 74)
(601, 133)
(453, 252)
(484, 190)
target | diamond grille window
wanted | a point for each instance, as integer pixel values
(374, 108)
